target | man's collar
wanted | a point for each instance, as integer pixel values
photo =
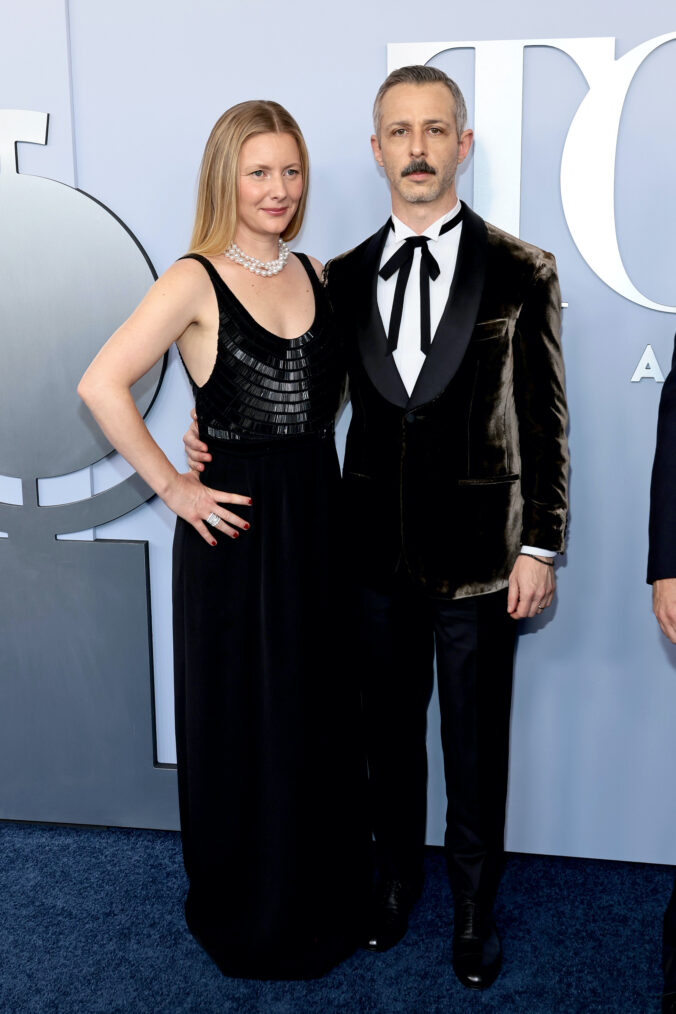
(402, 231)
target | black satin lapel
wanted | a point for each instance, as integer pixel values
(371, 337)
(459, 317)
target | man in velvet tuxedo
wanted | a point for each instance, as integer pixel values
(455, 484)
(662, 576)
(455, 478)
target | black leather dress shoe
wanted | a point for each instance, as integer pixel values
(477, 952)
(392, 903)
(669, 1003)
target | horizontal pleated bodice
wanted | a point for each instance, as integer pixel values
(264, 387)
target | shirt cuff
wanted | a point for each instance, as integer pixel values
(536, 551)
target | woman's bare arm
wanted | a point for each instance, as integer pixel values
(172, 304)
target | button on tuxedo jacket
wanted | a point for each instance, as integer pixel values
(451, 481)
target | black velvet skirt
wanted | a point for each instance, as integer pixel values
(271, 765)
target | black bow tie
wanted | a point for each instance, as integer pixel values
(401, 261)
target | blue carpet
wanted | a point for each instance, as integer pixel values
(92, 922)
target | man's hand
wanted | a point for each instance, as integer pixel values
(531, 587)
(664, 606)
(195, 451)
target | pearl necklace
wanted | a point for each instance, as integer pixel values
(264, 268)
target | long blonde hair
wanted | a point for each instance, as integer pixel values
(216, 212)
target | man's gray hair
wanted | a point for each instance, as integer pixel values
(421, 74)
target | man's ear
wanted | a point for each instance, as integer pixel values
(464, 145)
(375, 147)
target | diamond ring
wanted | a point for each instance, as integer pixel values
(213, 520)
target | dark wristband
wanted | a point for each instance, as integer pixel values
(537, 559)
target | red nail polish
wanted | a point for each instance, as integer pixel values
(235, 535)
(247, 526)
(249, 501)
(213, 543)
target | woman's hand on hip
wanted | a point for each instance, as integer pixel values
(195, 502)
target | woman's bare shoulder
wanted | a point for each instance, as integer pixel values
(187, 270)
(184, 278)
(184, 288)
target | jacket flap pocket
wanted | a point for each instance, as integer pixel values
(489, 480)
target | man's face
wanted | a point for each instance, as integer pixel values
(418, 146)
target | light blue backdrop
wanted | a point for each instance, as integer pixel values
(593, 748)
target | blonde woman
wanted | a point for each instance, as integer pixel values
(270, 774)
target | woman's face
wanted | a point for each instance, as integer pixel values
(270, 183)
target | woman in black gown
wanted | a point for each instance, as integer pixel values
(270, 769)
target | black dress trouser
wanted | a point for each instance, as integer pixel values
(398, 628)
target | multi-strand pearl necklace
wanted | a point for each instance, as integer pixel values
(264, 268)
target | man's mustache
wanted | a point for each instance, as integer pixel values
(418, 166)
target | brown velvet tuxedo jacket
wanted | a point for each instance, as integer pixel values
(451, 481)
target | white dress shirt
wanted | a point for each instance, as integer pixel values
(444, 248)
(407, 356)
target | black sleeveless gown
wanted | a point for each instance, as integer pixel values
(271, 769)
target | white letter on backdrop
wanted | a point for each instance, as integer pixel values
(648, 368)
(588, 162)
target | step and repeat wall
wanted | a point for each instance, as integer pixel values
(104, 112)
